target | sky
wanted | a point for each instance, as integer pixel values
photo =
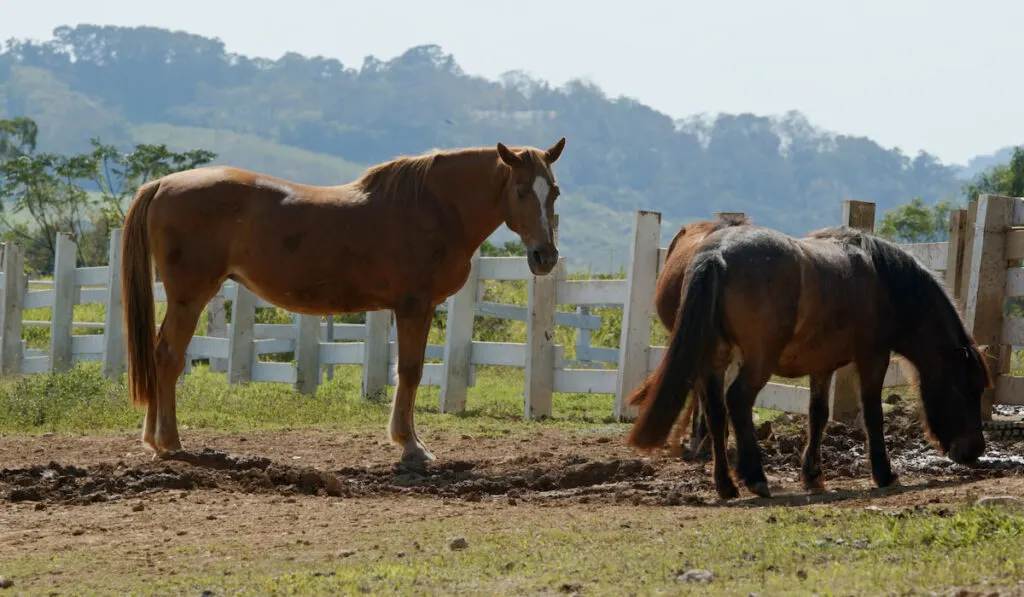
(936, 75)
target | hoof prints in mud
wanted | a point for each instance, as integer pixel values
(215, 470)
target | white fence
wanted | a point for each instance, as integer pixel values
(236, 347)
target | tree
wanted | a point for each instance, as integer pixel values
(119, 175)
(916, 222)
(1001, 179)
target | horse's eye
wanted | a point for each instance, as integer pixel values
(521, 191)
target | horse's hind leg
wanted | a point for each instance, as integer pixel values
(713, 403)
(176, 332)
(810, 472)
(740, 399)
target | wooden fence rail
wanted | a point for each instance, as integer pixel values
(978, 251)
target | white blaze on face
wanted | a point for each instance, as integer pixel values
(541, 189)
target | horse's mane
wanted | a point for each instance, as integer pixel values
(914, 289)
(406, 176)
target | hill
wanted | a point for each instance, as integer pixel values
(316, 120)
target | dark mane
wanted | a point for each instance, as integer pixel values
(915, 290)
(726, 220)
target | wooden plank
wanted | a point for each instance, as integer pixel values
(38, 299)
(540, 336)
(431, 376)
(590, 292)
(784, 397)
(206, 347)
(243, 323)
(1014, 282)
(1015, 244)
(96, 276)
(85, 296)
(965, 277)
(114, 355)
(638, 310)
(273, 346)
(31, 365)
(15, 282)
(307, 359)
(501, 354)
(504, 268)
(91, 344)
(1017, 219)
(273, 372)
(63, 303)
(343, 353)
(932, 255)
(1009, 390)
(458, 342)
(586, 381)
(1013, 331)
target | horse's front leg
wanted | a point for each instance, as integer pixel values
(413, 329)
(872, 375)
(817, 411)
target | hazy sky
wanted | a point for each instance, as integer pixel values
(918, 74)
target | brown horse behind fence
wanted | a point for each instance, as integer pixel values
(795, 307)
(401, 238)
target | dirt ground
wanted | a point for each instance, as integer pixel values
(63, 492)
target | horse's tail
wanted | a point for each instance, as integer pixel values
(690, 354)
(137, 296)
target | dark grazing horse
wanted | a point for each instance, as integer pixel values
(808, 306)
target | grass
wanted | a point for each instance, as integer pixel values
(611, 550)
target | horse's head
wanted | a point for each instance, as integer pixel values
(529, 202)
(952, 403)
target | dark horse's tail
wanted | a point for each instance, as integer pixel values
(137, 296)
(689, 356)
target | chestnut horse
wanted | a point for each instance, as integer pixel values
(796, 307)
(667, 295)
(400, 238)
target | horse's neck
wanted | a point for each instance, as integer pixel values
(474, 188)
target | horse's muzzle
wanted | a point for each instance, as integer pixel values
(967, 450)
(542, 259)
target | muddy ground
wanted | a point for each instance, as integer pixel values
(553, 466)
(57, 491)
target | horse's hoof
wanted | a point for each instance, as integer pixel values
(760, 489)
(815, 484)
(727, 491)
(418, 454)
(893, 480)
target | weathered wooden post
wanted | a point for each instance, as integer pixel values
(986, 288)
(113, 320)
(638, 310)
(15, 286)
(458, 342)
(955, 255)
(540, 339)
(241, 349)
(845, 391)
(217, 327)
(307, 354)
(376, 353)
(63, 312)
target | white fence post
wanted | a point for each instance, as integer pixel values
(638, 310)
(458, 342)
(243, 326)
(15, 286)
(307, 354)
(376, 352)
(63, 312)
(113, 320)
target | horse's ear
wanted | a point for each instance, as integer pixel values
(981, 376)
(508, 156)
(556, 150)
